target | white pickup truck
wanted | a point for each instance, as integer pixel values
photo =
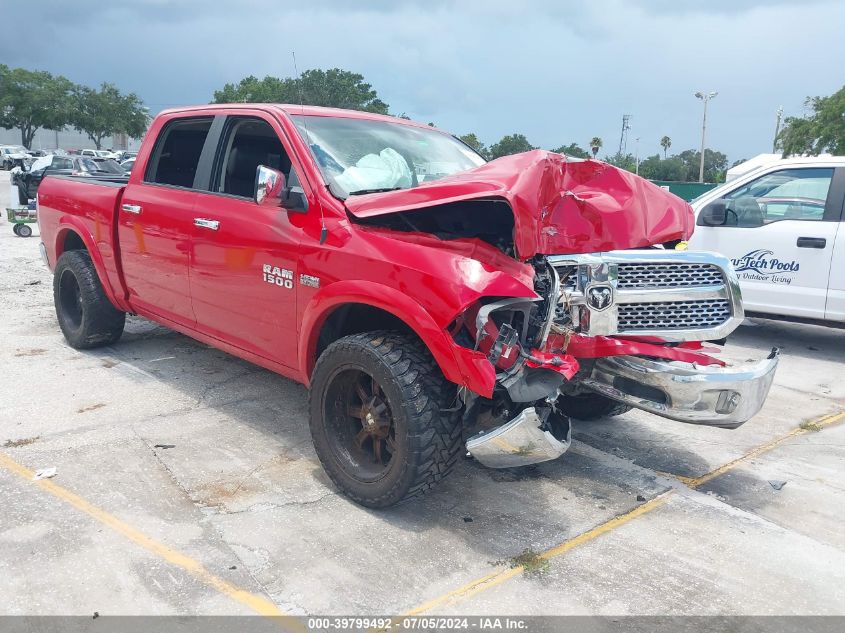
(781, 227)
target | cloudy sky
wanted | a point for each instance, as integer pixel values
(555, 70)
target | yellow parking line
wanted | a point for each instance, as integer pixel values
(258, 604)
(764, 448)
(498, 577)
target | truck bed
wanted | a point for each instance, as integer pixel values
(87, 205)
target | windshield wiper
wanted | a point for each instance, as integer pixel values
(361, 192)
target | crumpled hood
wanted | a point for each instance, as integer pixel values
(560, 205)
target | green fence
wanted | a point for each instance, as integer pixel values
(685, 190)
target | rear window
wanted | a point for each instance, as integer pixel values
(177, 152)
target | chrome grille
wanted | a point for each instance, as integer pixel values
(673, 295)
(673, 315)
(668, 275)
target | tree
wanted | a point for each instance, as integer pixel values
(573, 149)
(623, 161)
(656, 168)
(472, 140)
(334, 88)
(105, 112)
(822, 131)
(511, 144)
(715, 165)
(595, 145)
(32, 99)
(665, 143)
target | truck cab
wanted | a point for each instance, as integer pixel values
(781, 226)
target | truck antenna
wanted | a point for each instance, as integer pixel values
(324, 232)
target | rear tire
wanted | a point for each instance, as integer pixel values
(591, 406)
(380, 418)
(86, 316)
(24, 231)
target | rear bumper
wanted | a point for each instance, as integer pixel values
(713, 396)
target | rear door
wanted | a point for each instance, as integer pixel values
(155, 220)
(779, 234)
(244, 271)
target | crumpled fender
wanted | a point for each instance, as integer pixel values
(560, 205)
(459, 365)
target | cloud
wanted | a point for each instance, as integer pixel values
(555, 71)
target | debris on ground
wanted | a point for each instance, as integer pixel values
(531, 562)
(22, 442)
(165, 446)
(45, 473)
(33, 283)
(809, 425)
(467, 519)
(640, 498)
(777, 485)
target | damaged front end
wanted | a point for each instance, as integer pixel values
(630, 326)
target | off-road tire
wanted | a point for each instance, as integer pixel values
(94, 321)
(428, 435)
(590, 406)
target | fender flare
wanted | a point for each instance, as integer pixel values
(459, 365)
(73, 224)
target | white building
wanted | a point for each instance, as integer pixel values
(68, 138)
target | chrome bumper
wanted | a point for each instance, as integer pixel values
(529, 438)
(713, 396)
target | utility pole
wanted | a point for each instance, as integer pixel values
(705, 97)
(623, 139)
(637, 146)
(777, 130)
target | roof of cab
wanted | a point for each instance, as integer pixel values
(295, 109)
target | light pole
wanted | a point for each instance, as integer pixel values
(705, 97)
(637, 159)
(777, 129)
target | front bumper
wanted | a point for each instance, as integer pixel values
(713, 396)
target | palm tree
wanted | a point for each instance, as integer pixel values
(595, 145)
(665, 143)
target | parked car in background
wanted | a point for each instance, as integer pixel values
(128, 164)
(97, 153)
(14, 156)
(28, 181)
(781, 226)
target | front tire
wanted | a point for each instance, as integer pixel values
(590, 406)
(381, 418)
(86, 316)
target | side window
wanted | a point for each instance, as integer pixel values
(177, 152)
(247, 143)
(789, 194)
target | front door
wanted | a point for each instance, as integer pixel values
(244, 272)
(155, 223)
(779, 234)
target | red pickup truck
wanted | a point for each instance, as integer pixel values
(434, 303)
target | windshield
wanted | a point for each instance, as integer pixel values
(363, 156)
(109, 166)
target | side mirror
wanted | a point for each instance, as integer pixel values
(714, 214)
(271, 190)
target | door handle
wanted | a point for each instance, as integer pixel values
(811, 242)
(131, 208)
(207, 224)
